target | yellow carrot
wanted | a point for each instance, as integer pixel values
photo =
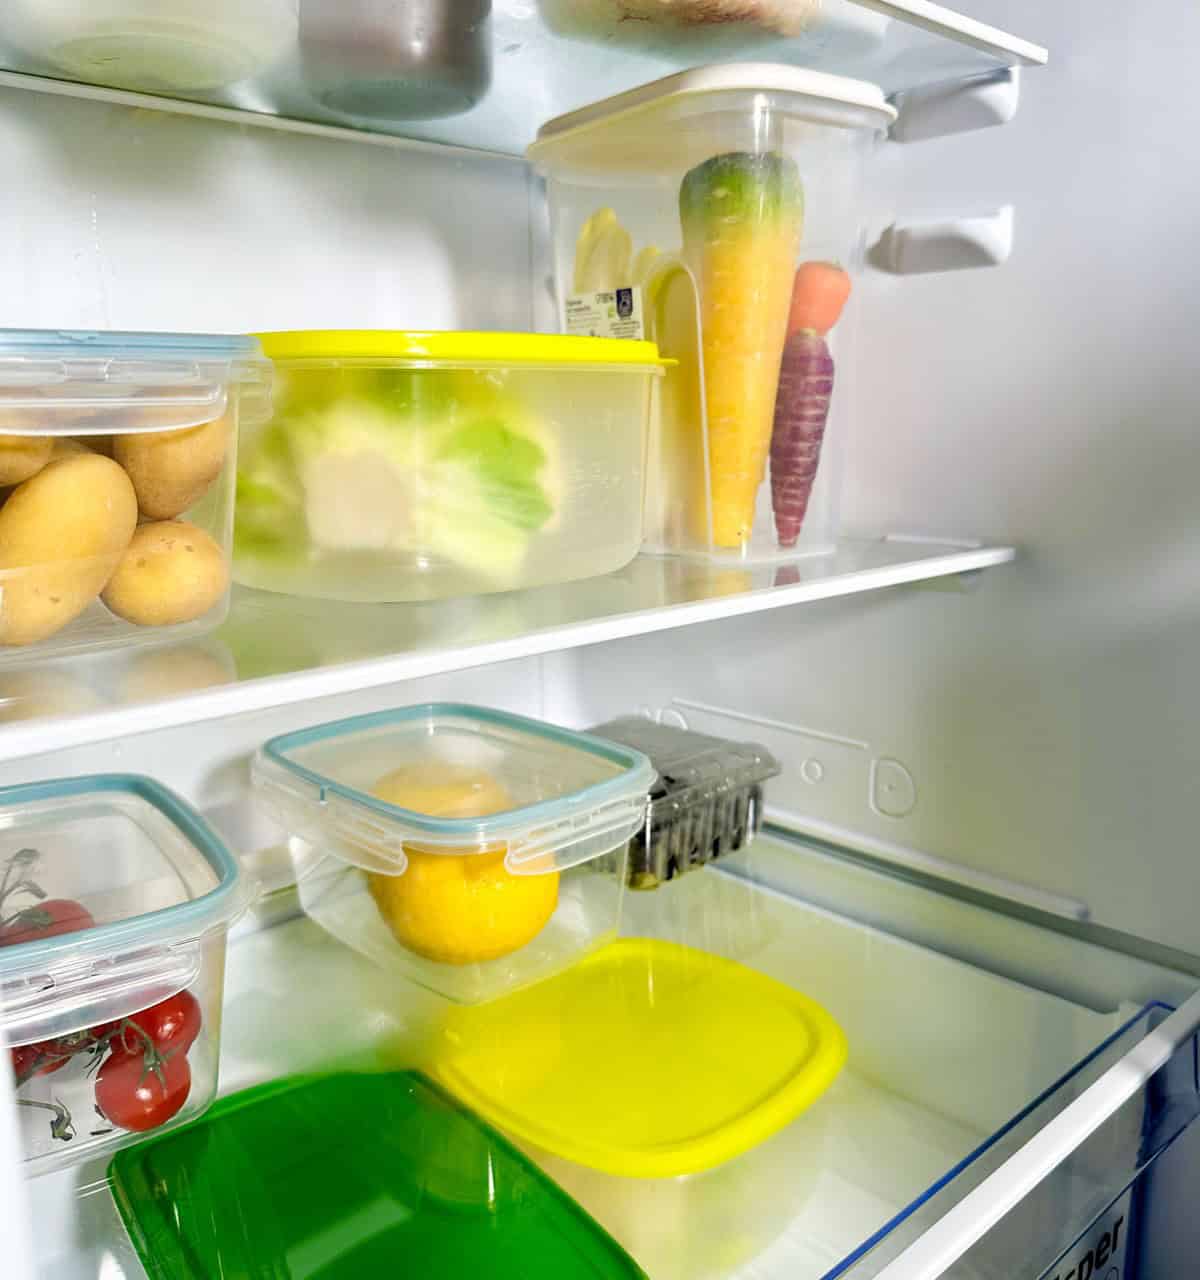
(741, 215)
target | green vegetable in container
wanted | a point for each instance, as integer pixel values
(395, 461)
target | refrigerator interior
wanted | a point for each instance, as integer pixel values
(1026, 737)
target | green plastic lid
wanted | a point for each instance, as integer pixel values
(348, 1176)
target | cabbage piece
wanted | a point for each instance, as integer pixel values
(400, 465)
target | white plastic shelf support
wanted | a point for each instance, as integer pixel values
(918, 246)
(962, 106)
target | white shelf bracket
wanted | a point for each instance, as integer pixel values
(918, 246)
(957, 106)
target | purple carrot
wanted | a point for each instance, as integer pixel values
(801, 407)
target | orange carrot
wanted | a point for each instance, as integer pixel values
(741, 215)
(819, 293)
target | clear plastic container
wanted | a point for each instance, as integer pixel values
(116, 900)
(117, 461)
(726, 202)
(158, 46)
(457, 846)
(408, 466)
(664, 1088)
(706, 802)
(429, 1190)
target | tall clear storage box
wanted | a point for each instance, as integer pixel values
(718, 213)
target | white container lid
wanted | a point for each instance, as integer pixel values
(550, 798)
(795, 91)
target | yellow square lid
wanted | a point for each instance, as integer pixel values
(739, 1056)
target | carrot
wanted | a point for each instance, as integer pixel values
(818, 296)
(805, 389)
(741, 216)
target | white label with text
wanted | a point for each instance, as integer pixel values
(1100, 1255)
(609, 313)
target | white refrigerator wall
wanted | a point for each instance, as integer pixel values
(120, 218)
(1043, 727)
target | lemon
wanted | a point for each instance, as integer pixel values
(458, 907)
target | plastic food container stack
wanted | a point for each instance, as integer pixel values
(707, 801)
(426, 1189)
(116, 899)
(408, 466)
(462, 848)
(117, 462)
(717, 213)
(159, 46)
(675, 1094)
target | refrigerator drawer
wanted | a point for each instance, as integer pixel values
(955, 1140)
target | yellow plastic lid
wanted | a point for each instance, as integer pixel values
(455, 347)
(648, 1059)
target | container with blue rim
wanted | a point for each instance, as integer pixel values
(118, 455)
(115, 902)
(464, 848)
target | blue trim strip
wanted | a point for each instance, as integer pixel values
(637, 773)
(940, 1185)
(117, 343)
(200, 913)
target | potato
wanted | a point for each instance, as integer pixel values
(97, 444)
(62, 533)
(69, 446)
(23, 456)
(172, 470)
(172, 572)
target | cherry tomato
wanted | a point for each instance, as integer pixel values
(40, 1059)
(52, 1059)
(45, 920)
(24, 1058)
(134, 1098)
(173, 1023)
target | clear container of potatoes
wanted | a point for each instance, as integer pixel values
(118, 453)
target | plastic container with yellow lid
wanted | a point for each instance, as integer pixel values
(674, 1093)
(411, 465)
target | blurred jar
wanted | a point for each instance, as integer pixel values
(397, 59)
